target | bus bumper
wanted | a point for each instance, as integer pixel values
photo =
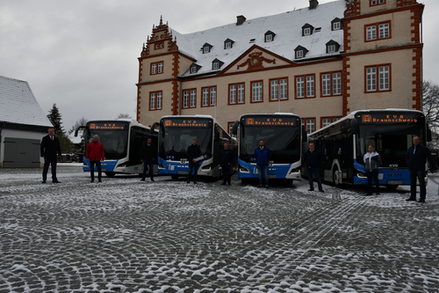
(172, 168)
(386, 177)
(107, 166)
(275, 171)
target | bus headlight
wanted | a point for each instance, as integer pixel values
(206, 168)
(296, 170)
(361, 175)
(160, 166)
(243, 169)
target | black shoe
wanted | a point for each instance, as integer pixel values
(230, 183)
(91, 181)
(188, 182)
(410, 199)
(99, 181)
(260, 186)
(152, 179)
(378, 193)
(55, 181)
(369, 193)
(421, 200)
(223, 183)
(143, 179)
(43, 182)
(311, 189)
(321, 190)
(195, 182)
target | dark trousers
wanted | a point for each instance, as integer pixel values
(419, 175)
(314, 173)
(263, 174)
(372, 178)
(148, 167)
(92, 170)
(193, 172)
(227, 174)
(48, 161)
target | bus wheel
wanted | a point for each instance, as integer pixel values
(174, 177)
(392, 187)
(336, 177)
(110, 174)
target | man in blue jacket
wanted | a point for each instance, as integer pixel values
(417, 156)
(262, 155)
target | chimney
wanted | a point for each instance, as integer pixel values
(240, 19)
(313, 4)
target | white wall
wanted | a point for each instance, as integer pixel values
(17, 134)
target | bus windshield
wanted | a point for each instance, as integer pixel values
(177, 137)
(113, 136)
(391, 141)
(283, 141)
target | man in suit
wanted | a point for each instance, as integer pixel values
(50, 149)
(313, 162)
(194, 156)
(262, 156)
(149, 156)
(417, 156)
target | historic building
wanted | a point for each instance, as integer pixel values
(320, 62)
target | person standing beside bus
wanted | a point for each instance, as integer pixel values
(194, 157)
(262, 155)
(227, 159)
(417, 157)
(149, 156)
(313, 162)
(50, 148)
(372, 161)
(95, 154)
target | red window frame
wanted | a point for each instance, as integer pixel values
(157, 64)
(155, 104)
(328, 117)
(377, 4)
(251, 91)
(377, 78)
(209, 104)
(189, 98)
(278, 83)
(304, 122)
(229, 90)
(305, 89)
(331, 84)
(377, 27)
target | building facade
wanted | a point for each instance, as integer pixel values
(320, 62)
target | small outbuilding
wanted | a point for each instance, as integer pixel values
(22, 125)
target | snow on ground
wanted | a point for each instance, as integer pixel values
(129, 236)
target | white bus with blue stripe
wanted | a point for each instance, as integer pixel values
(176, 135)
(123, 142)
(344, 142)
(282, 133)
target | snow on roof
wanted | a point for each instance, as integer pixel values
(18, 104)
(287, 27)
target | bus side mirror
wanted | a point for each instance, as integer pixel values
(77, 130)
(354, 126)
(155, 126)
(429, 139)
(235, 128)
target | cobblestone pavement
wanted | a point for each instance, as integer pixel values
(127, 236)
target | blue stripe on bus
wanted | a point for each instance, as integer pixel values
(107, 165)
(278, 171)
(172, 168)
(390, 176)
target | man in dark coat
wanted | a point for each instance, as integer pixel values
(50, 148)
(313, 162)
(262, 155)
(227, 162)
(149, 156)
(194, 157)
(417, 157)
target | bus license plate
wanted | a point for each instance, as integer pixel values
(380, 176)
(394, 182)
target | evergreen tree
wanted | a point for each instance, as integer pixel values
(56, 119)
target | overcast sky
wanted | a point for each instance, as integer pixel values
(82, 54)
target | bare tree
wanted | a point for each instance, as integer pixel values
(430, 95)
(80, 122)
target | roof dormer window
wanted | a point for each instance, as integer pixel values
(228, 44)
(194, 68)
(216, 64)
(332, 47)
(300, 52)
(206, 48)
(307, 30)
(336, 24)
(269, 36)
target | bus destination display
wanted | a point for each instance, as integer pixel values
(270, 121)
(382, 118)
(186, 122)
(107, 126)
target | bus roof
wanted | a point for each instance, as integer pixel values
(352, 115)
(276, 113)
(186, 116)
(132, 122)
